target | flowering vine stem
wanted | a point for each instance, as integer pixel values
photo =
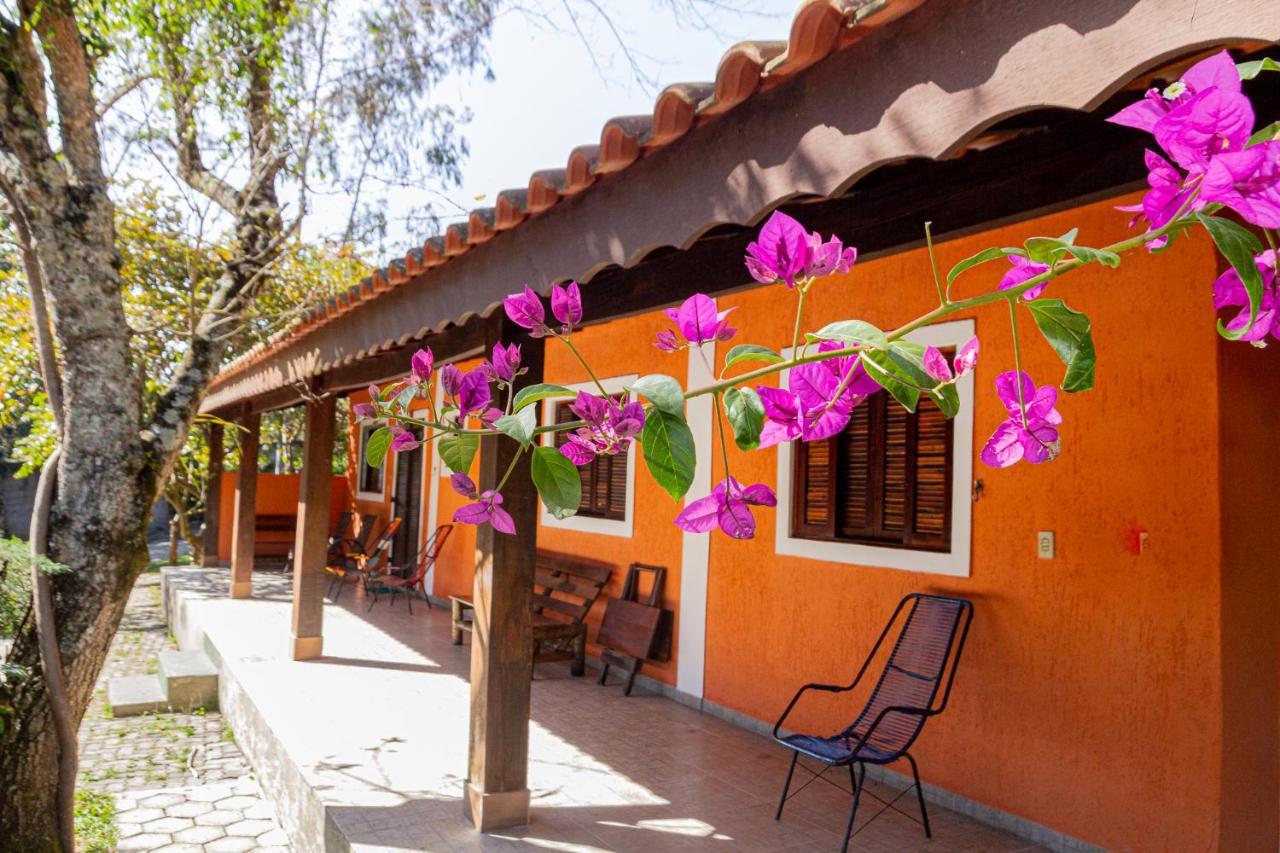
(943, 298)
(1017, 358)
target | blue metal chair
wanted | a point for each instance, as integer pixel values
(926, 650)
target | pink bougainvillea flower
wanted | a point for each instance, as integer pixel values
(525, 310)
(1218, 71)
(699, 321)
(473, 392)
(780, 252)
(1229, 292)
(819, 399)
(420, 366)
(729, 507)
(967, 357)
(1167, 197)
(935, 364)
(1213, 122)
(363, 410)
(450, 379)
(487, 509)
(566, 303)
(402, 441)
(1023, 270)
(375, 393)
(610, 428)
(1248, 182)
(831, 256)
(504, 366)
(489, 417)
(1031, 432)
(463, 485)
(667, 341)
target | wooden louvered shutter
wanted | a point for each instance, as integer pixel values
(604, 481)
(884, 480)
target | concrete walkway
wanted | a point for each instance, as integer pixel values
(365, 749)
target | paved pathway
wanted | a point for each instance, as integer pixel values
(181, 783)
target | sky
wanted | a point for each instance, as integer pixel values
(549, 93)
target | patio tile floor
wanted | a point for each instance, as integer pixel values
(377, 729)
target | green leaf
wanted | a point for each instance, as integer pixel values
(667, 442)
(1249, 70)
(746, 414)
(661, 390)
(882, 367)
(948, 399)
(1238, 245)
(1068, 332)
(375, 449)
(557, 481)
(851, 332)
(519, 426)
(1047, 250)
(1101, 256)
(531, 394)
(457, 451)
(751, 352)
(981, 258)
(1266, 134)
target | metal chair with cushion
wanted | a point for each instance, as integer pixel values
(412, 582)
(925, 655)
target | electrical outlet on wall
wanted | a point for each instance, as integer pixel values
(1044, 544)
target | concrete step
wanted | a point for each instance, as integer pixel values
(130, 695)
(185, 681)
(190, 679)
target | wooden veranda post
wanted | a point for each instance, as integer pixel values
(244, 526)
(497, 791)
(212, 498)
(311, 544)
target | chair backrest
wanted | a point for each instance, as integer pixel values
(924, 659)
(430, 550)
(367, 521)
(576, 582)
(340, 529)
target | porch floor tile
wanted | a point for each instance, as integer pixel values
(377, 729)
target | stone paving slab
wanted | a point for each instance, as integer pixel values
(180, 780)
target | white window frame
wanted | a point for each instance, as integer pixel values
(956, 563)
(360, 465)
(584, 524)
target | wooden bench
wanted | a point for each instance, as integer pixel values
(565, 587)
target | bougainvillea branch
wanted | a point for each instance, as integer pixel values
(1203, 122)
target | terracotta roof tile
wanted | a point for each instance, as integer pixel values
(818, 28)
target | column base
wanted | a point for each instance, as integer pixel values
(307, 648)
(498, 810)
(242, 589)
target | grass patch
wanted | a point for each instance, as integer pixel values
(95, 819)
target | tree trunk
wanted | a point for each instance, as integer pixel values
(98, 527)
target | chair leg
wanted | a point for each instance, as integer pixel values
(578, 667)
(408, 599)
(795, 756)
(924, 814)
(853, 810)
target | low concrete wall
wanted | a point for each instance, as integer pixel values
(299, 809)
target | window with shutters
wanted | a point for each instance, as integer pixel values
(884, 480)
(608, 483)
(892, 490)
(604, 481)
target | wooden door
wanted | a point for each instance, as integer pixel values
(406, 502)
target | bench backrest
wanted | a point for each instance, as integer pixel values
(565, 586)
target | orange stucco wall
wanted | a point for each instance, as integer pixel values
(277, 495)
(1088, 699)
(1092, 698)
(1250, 386)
